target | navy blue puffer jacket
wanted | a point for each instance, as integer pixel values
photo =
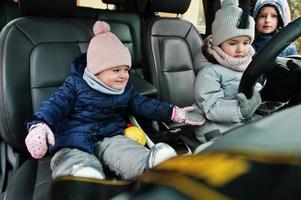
(262, 40)
(80, 116)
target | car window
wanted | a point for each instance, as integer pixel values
(195, 14)
(93, 4)
(295, 9)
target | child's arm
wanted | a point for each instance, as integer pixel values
(37, 140)
(249, 106)
(150, 108)
(51, 112)
(209, 95)
(189, 115)
(57, 106)
(161, 111)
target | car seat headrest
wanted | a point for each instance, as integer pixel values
(116, 2)
(141, 5)
(59, 8)
(170, 6)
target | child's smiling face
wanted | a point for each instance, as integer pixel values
(116, 77)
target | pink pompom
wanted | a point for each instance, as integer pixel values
(101, 27)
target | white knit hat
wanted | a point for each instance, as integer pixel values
(105, 50)
(225, 24)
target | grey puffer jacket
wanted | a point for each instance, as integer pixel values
(215, 92)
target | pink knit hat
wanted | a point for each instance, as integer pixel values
(105, 50)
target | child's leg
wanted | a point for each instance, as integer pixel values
(159, 153)
(73, 162)
(127, 158)
(122, 155)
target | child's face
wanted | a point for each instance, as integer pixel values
(115, 78)
(267, 20)
(237, 47)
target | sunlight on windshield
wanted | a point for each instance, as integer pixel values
(91, 3)
(195, 14)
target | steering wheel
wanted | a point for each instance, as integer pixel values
(267, 58)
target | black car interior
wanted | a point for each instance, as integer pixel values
(45, 43)
(36, 52)
(36, 49)
(8, 11)
(170, 45)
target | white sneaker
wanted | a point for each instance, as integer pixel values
(159, 153)
(89, 172)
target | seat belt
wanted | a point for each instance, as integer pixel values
(12, 158)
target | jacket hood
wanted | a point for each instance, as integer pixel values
(200, 61)
(79, 64)
(278, 4)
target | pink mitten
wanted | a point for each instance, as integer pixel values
(188, 115)
(37, 140)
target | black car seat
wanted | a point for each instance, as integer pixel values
(35, 57)
(29, 48)
(171, 43)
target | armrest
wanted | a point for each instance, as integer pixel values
(142, 86)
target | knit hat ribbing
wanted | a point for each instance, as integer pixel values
(279, 5)
(105, 50)
(225, 24)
